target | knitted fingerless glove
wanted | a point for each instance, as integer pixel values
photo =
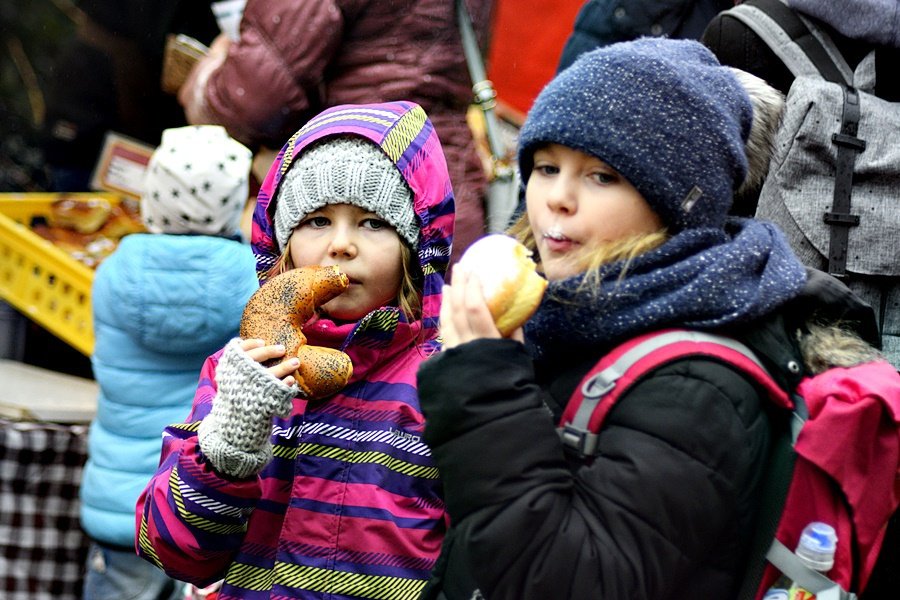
(234, 436)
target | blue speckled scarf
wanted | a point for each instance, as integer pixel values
(703, 278)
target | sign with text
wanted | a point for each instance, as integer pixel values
(121, 166)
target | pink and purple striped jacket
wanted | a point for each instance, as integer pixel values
(350, 507)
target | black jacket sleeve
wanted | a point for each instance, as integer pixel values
(661, 512)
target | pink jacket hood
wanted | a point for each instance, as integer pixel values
(404, 132)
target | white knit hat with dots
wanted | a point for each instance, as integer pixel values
(197, 181)
(341, 170)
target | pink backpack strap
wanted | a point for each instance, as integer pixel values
(616, 372)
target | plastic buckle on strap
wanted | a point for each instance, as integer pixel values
(598, 386)
(580, 440)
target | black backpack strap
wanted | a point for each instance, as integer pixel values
(839, 218)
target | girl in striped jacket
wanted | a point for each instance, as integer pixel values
(341, 499)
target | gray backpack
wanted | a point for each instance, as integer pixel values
(833, 185)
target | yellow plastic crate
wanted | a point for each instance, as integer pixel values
(40, 280)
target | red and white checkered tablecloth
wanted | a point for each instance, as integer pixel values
(42, 546)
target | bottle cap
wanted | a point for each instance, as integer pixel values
(817, 546)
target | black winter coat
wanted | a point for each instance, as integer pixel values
(665, 511)
(604, 22)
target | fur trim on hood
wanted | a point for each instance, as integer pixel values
(826, 346)
(834, 326)
(768, 107)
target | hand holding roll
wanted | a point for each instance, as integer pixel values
(511, 291)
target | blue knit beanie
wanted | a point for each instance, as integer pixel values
(663, 113)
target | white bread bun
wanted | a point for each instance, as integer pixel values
(508, 277)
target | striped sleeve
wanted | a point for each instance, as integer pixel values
(191, 520)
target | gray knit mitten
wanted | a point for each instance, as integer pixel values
(234, 436)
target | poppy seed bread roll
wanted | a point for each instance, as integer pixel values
(276, 313)
(511, 285)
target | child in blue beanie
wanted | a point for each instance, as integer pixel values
(630, 159)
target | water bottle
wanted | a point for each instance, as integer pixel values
(778, 591)
(815, 549)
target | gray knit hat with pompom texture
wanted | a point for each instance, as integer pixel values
(345, 170)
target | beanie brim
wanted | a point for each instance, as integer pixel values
(342, 170)
(663, 113)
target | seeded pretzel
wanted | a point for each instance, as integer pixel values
(277, 312)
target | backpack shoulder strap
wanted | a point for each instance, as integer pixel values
(625, 365)
(804, 48)
(616, 372)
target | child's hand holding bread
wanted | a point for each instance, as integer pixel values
(495, 290)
